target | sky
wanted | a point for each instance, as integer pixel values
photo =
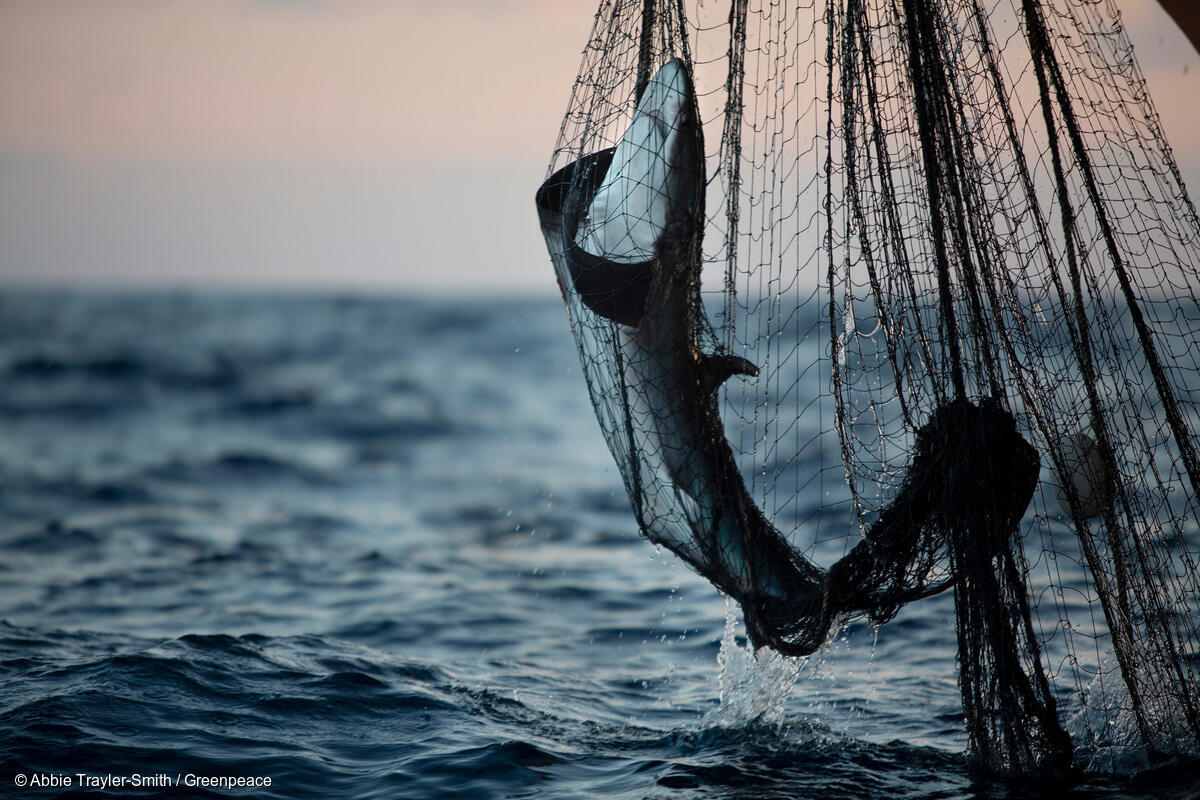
(359, 145)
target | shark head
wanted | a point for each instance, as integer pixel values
(649, 188)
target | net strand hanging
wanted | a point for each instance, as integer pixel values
(952, 235)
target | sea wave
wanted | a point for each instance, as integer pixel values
(376, 547)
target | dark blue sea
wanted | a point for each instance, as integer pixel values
(374, 547)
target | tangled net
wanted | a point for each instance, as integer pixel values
(953, 233)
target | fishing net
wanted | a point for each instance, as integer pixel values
(879, 298)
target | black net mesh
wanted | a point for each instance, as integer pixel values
(952, 234)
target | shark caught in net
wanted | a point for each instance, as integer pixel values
(949, 237)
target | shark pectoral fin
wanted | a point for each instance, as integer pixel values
(636, 207)
(614, 291)
(716, 369)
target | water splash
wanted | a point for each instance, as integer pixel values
(1106, 729)
(754, 685)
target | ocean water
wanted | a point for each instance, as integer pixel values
(375, 548)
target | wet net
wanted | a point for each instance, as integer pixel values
(881, 298)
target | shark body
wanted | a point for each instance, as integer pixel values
(624, 227)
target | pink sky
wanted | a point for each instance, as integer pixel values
(331, 142)
(367, 80)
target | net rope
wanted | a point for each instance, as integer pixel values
(918, 314)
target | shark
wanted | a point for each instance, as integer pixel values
(623, 227)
